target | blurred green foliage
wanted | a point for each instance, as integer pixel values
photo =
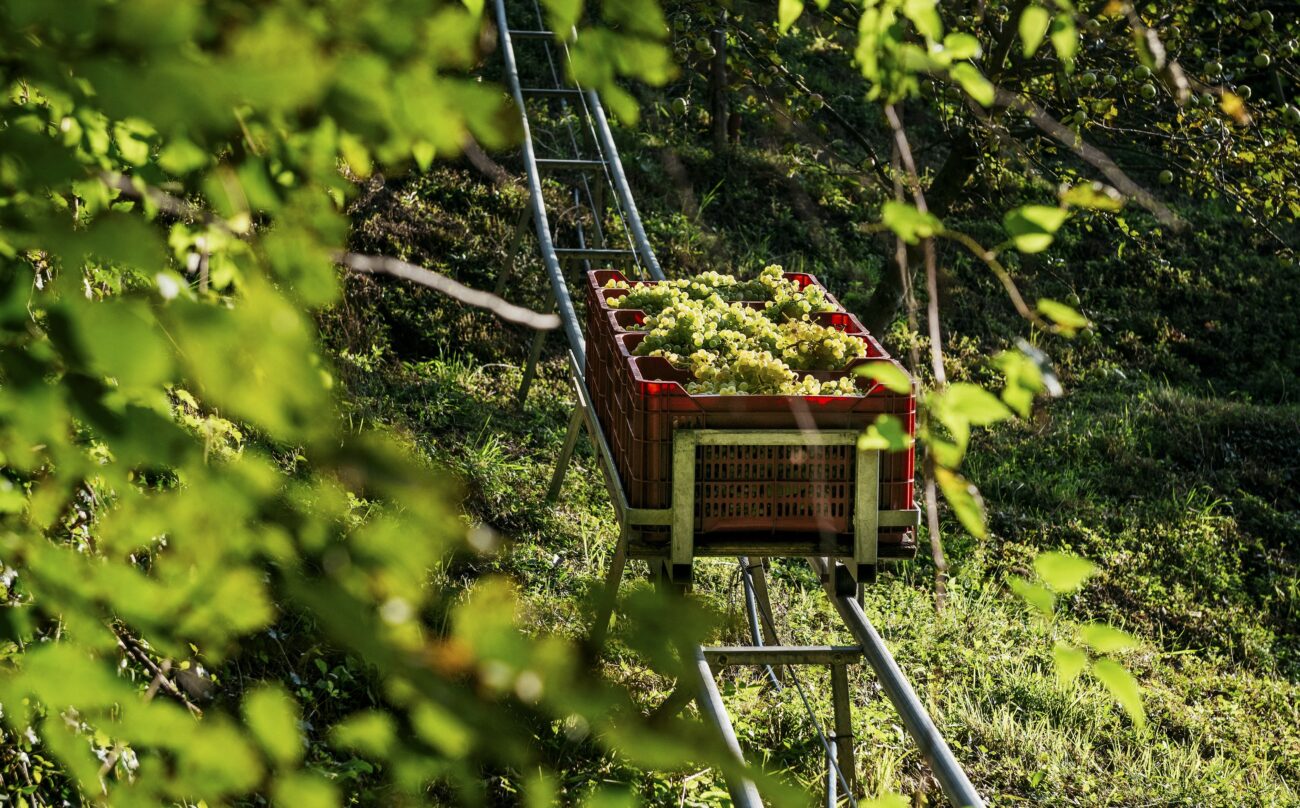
(177, 482)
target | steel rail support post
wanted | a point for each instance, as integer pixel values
(842, 740)
(609, 594)
(640, 242)
(530, 369)
(566, 454)
(758, 573)
(508, 270)
(755, 622)
(952, 779)
(559, 287)
(744, 794)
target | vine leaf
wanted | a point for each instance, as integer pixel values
(1065, 317)
(1069, 661)
(962, 46)
(1036, 596)
(1063, 572)
(887, 434)
(787, 11)
(970, 401)
(1033, 27)
(888, 374)
(965, 500)
(1065, 39)
(1032, 227)
(909, 223)
(1123, 687)
(974, 83)
(1106, 639)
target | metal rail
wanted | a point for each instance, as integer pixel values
(559, 287)
(743, 791)
(606, 139)
(952, 779)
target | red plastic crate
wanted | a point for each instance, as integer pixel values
(775, 490)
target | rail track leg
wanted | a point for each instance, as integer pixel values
(758, 572)
(598, 213)
(672, 704)
(843, 737)
(609, 595)
(566, 454)
(759, 623)
(508, 270)
(530, 370)
(670, 577)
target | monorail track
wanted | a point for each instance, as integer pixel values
(594, 177)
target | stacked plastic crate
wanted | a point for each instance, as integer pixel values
(795, 492)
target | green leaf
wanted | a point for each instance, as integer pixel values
(1034, 595)
(1106, 639)
(1123, 687)
(1093, 195)
(787, 11)
(180, 156)
(886, 801)
(305, 790)
(1065, 317)
(370, 732)
(962, 46)
(889, 374)
(123, 340)
(925, 16)
(272, 715)
(974, 83)
(1033, 227)
(1033, 27)
(965, 501)
(910, 224)
(563, 14)
(946, 453)
(887, 434)
(1024, 379)
(1065, 39)
(1069, 662)
(1063, 572)
(978, 406)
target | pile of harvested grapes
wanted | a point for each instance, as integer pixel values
(704, 324)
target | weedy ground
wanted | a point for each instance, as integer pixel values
(1172, 462)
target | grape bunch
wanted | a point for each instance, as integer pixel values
(732, 348)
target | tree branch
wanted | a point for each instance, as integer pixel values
(383, 265)
(1089, 154)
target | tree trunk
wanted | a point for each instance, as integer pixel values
(718, 89)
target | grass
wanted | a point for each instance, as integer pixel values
(1175, 472)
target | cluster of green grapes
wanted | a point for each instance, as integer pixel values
(784, 298)
(731, 348)
(758, 373)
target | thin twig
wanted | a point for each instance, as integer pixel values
(383, 265)
(927, 464)
(133, 649)
(1008, 283)
(927, 245)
